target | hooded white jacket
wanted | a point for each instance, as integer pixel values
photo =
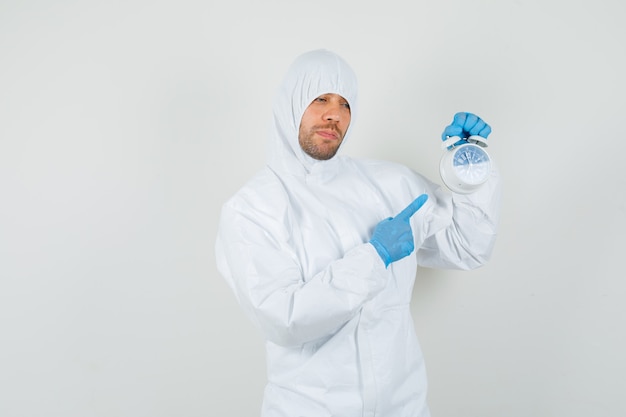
(293, 245)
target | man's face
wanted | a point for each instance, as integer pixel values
(323, 126)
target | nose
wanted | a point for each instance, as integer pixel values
(332, 113)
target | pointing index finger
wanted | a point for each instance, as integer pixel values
(412, 208)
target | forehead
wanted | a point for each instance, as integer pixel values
(333, 96)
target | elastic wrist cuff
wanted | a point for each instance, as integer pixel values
(382, 252)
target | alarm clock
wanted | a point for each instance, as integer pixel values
(466, 166)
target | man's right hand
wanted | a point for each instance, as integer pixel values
(393, 237)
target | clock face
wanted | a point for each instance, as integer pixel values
(471, 164)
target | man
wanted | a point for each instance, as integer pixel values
(309, 249)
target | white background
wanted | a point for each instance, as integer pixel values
(124, 125)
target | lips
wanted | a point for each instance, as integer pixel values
(327, 134)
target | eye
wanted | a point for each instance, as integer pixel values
(320, 99)
(346, 105)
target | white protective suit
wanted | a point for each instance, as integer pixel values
(293, 245)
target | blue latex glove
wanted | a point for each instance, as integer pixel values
(393, 237)
(465, 125)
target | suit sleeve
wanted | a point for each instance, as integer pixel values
(460, 230)
(254, 256)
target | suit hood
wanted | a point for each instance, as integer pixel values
(311, 74)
